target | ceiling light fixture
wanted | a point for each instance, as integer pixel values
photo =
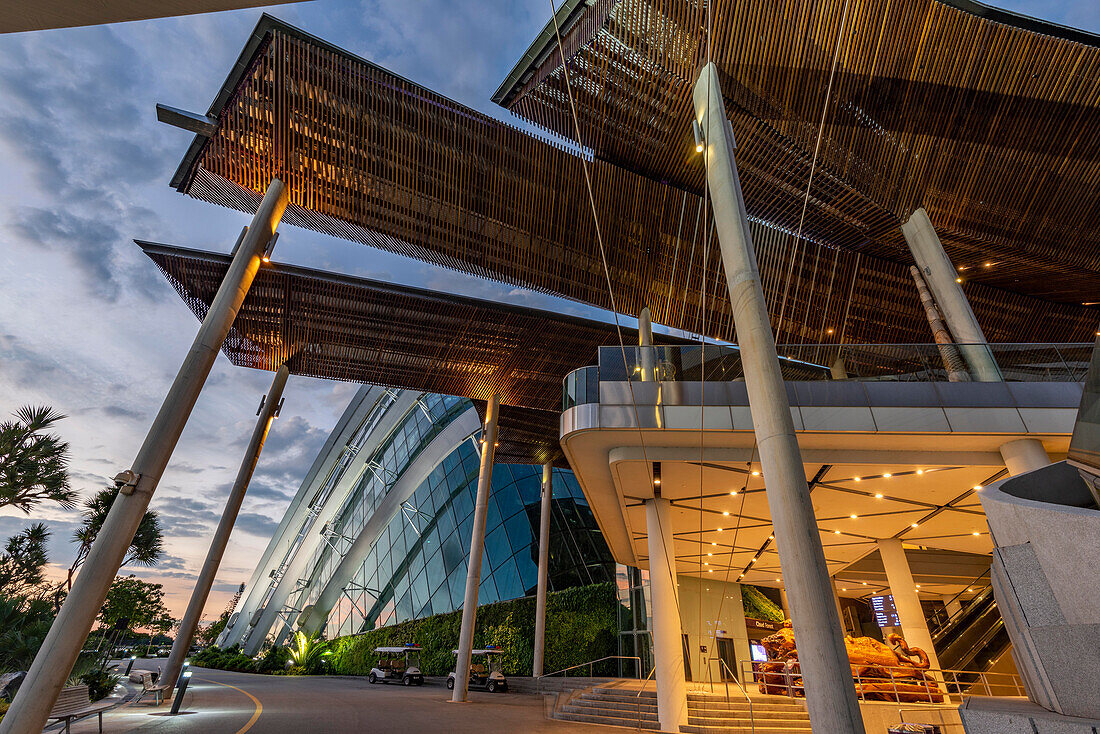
(887, 475)
(878, 496)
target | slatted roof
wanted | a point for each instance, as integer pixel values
(359, 330)
(988, 119)
(377, 159)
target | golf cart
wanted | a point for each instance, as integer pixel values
(398, 663)
(485, 673)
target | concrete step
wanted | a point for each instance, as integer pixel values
(565, 715)
(590, 707)
(759, 729)
(614, 705)
(792, 724)
(742, 705)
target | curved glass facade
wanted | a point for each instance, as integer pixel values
(417, 565)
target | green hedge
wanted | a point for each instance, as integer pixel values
(581, 625)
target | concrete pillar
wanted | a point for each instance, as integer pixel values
(197, 603)
(838, 370)
(783, 602)
(647, 356)
(943, 279)
(668, 646)
(477, 551)
(914, 627)
(952, 605)
(544, 567)
(839, 606)
(1024, 455)
(70, 629)
(830, 692)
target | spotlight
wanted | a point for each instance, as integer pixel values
(887, 475)
(920, 471)
(914, 525)
(854, 517)
(878, 496)
(726, 514)
(698, 132)
(756, 473)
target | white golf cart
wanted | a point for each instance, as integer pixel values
(398, 663)
(485, 670)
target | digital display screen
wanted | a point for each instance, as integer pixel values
(886, 614)
(759, 654)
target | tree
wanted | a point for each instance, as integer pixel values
(34, 464)
(132, 603)
(145, 549)
(23, 561)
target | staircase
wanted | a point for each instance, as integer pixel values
(707, 713)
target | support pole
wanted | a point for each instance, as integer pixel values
(949, 353)
(1024, 455)
(62, 645)
(942, 278)
(668, 646)
(182, 643)
(914, 627)
(830, 693)
(544, 566)
(477, 550)
(647, 358)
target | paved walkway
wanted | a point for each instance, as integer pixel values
(233, 703)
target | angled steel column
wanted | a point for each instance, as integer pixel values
(830, 694)
(544, 566)
(62, 645)
(477, 551)
(942, 279)
(201, 592)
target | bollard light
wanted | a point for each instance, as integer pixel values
(180, 690)
(130, 666)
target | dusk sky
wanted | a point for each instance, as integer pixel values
(89, 326)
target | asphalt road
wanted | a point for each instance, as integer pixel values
(234, 703)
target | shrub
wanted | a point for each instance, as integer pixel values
(274, 660)
(580, 626)
(100, 683)
(308, 653)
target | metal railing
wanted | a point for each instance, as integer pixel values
(726, 680)
(890, 683)
(638, 699)
(591, 667)
(941, 618)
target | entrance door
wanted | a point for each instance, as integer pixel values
(729, 657)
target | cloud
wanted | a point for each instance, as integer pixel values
(251, 522)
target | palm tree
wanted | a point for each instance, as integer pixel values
(34, 463)
(145, 549)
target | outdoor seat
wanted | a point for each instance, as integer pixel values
(148, 680)
(73, 703)
(477, 669)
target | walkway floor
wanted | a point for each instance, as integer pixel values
(233, 703)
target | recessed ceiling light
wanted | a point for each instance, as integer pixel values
(854, 517)
(719, 529)
(726, 513)
(856, 479)
(920, 471)
(958, 280)
(837, 532)
(714, 543)
(878, 496)
(777, 580)
(863, 582)
(977, 487)
(976, 533)
(771, 537)
(753, 560)
(843, 589)
(887, 475)
(710, 554)
(756, 473)
(733, 493)
(914, 525)
(918, 586)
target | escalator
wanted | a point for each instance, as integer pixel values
(974, 637)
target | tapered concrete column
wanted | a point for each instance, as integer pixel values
(942, 279)
(209, 571)
(783, 603)
(668, 646)
(952, 360)
(839, 608)
(1024, 455)
(544, 567)
(70, 629)
(477, 550)
(838, 370)
(914, 627)
(647, 357)
(830, 693)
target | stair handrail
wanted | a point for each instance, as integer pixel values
(752, 715)
(638, 699)
(590, 664)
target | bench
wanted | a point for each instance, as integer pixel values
(148, 680)
(73, 703)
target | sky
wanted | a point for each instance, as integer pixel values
(89, 326)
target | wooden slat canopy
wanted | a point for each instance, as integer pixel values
(377, 159)
(989, 120)
(366, 331)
